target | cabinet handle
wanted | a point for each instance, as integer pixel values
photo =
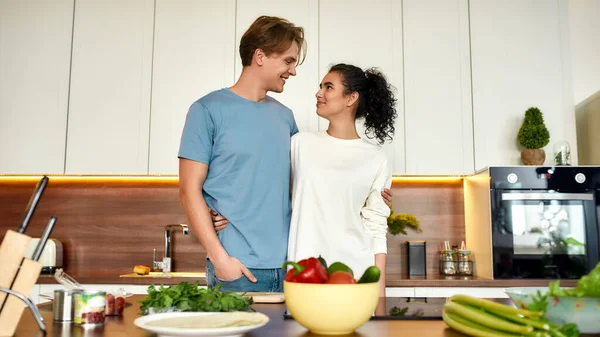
(547, 196)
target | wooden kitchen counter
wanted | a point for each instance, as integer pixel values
(277, 327)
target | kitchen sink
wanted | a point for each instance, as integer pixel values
(193, 274)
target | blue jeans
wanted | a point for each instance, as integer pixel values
(267, 280)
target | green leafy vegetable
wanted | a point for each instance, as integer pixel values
(190, 297)
(587, 286)
(569, 330)
(540, 302)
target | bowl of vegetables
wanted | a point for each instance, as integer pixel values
(579, 305)
(330, 300)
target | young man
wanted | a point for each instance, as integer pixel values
(234, 158)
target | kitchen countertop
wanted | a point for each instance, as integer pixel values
(393, 280)
(122, 326)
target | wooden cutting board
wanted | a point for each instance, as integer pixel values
(259, 297)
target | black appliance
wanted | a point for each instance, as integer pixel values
(544, 221)
(417, 258)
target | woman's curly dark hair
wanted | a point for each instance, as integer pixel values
(376, 102)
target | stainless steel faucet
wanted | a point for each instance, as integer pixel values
(165, 264)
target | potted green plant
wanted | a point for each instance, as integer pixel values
(397, 223)
(533, 136)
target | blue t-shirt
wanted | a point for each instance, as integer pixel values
(246, 145)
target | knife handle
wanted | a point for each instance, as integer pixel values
(12, 251)
(32, 205)
(43, 239)
(13, 308)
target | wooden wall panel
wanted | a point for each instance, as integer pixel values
(105, 227)
(108, 226)
(439, 206)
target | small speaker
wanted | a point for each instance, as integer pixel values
(416, 258)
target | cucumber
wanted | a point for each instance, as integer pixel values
(372, 274)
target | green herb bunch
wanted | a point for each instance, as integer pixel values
(190, 297)
(397, 223)
(533, 133)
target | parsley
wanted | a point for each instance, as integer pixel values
(190, 297)
(539, 302)
(569, 330)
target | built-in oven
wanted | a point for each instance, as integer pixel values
(544, 221)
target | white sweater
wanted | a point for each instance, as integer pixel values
(337, 208)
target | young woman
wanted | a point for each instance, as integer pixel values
(337, 208)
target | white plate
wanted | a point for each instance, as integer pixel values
(142, 322)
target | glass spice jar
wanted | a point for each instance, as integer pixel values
(448, 262)
(465, 263)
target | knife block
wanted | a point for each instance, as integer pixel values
(12, 251)
(17, 274)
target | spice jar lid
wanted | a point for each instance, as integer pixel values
(464, 251)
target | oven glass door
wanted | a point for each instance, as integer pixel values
(543, 235)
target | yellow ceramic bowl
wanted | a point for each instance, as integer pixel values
(331, 309)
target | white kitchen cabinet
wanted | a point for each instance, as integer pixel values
(299, 91)
(437, 87)
(109, 111)
(399, 292)
(519, 61)
(194, 54)
(373, 41)
(35, 53)
(450, 291)
(584, 29)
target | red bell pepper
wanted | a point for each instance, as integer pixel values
(309, 270)
(289, 276)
